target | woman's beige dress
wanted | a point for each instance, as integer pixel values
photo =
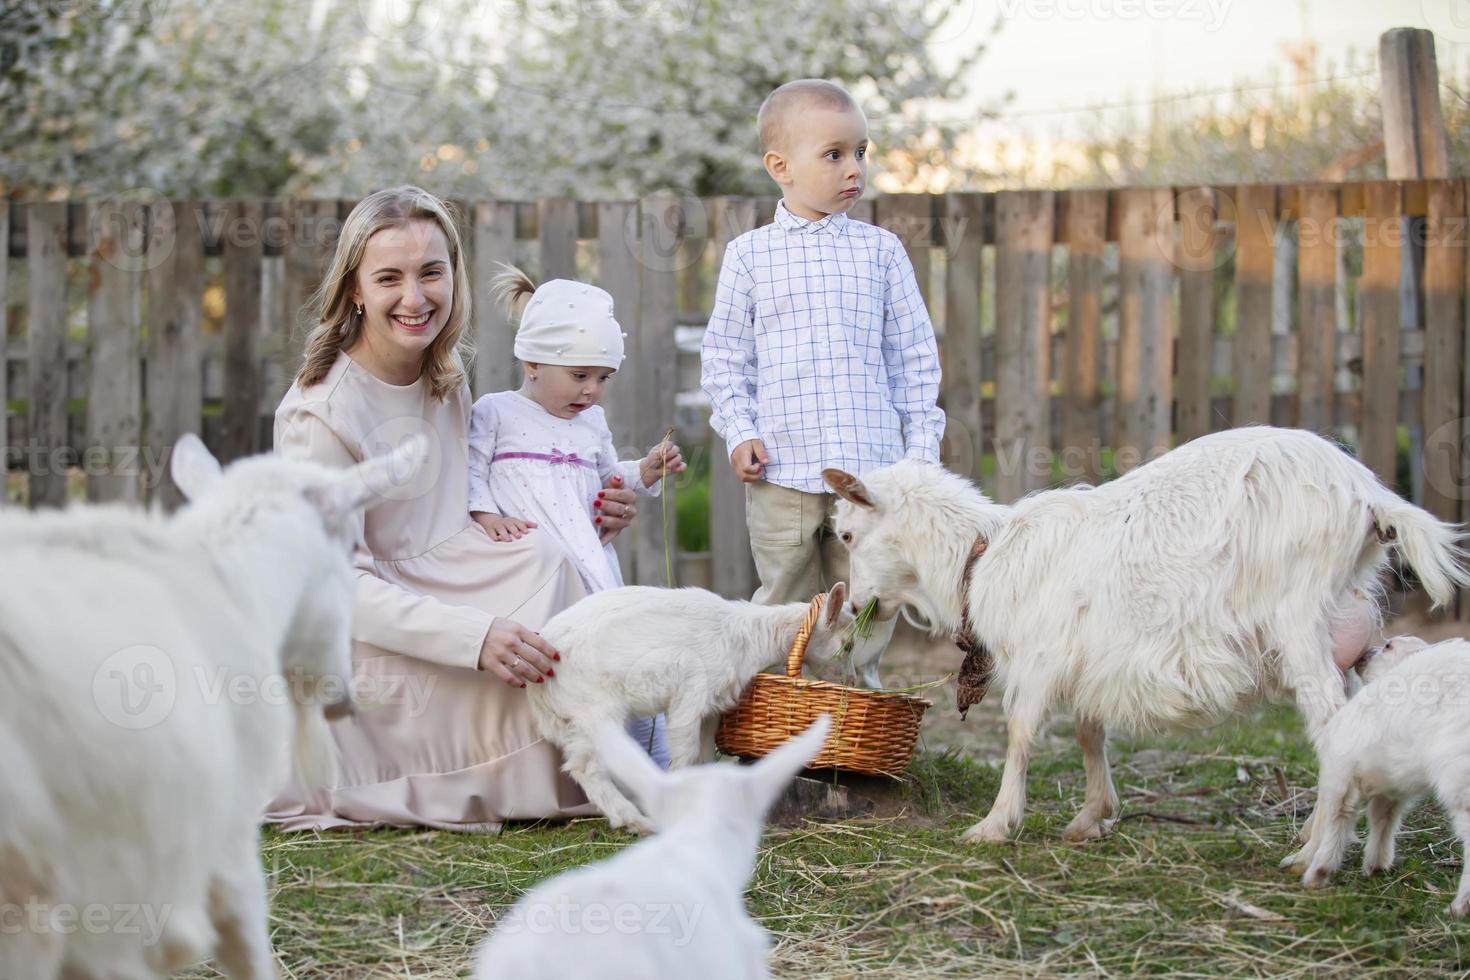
(436, 742)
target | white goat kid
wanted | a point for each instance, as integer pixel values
(1405, 734)
(635, 651)
(669, 906)
(150, 670)
(1242, 564)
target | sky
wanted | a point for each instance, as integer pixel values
(1065, 54)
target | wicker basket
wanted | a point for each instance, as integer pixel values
(873, 732)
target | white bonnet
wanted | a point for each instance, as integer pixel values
(570, 324)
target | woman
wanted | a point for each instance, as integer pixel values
(444, 617)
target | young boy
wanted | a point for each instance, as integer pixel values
(819, 351)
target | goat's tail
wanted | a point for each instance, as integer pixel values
(313, 749)
(1429, 546)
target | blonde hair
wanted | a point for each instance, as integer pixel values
(776, 111)
(512, 289)
(338, 326)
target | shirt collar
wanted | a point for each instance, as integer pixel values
(833, 224)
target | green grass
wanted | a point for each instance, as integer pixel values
(1186, 884)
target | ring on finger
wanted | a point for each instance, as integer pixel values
(515, 663)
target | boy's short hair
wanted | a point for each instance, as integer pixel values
(802, 93)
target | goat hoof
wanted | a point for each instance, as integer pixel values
(1295, 863)
(1316, 877)
(1459, 907)
(986, 833)
(1078, 832)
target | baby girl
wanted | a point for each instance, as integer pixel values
(539, 456)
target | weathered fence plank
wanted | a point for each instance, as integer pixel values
(654, 375)
(960, 348)
(4, 359)
(1022, 319)
(1255, 228)
(494, 235)
(46, 449)
(114, 373)
(1086, 228)
(558, 239)
(1317, 295)
(1145, 323)
(617, 262)
(1444, 360)
(732, 571)
(1197, 261)
(240, 428)
(174, 374)
(1378, 297)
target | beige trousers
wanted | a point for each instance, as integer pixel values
(797, 554)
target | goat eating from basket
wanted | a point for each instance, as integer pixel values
(688, 653)
(1242, 564)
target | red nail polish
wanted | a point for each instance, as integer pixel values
(597, 502)
(550, 672)
(597, 521)
(540, 680)
(523, 683)
(556, 656)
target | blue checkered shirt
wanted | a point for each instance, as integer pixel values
(820, 346)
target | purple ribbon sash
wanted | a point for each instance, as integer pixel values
(555, 456)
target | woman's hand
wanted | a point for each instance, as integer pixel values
(614, 508)
(517, 655)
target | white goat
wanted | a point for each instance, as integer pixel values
(669, 906)
(637, 651)
(1233, 567)
(1403, 735)
(150, 669)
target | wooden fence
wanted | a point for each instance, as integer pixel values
(1080, 331)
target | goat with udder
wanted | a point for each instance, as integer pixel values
(669, 906)
(636, 651)
(134, 779)
(1243, 564)
(1400, 737)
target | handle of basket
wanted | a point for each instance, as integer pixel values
(804, 635)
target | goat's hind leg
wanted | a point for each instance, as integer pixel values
(1100, 805)
(1385, 813)
(583, 765)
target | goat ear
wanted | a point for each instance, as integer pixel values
(832, 608)
(774, 772)
(391, 476)
(192, 466)
(848, 487)
(631, 768)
